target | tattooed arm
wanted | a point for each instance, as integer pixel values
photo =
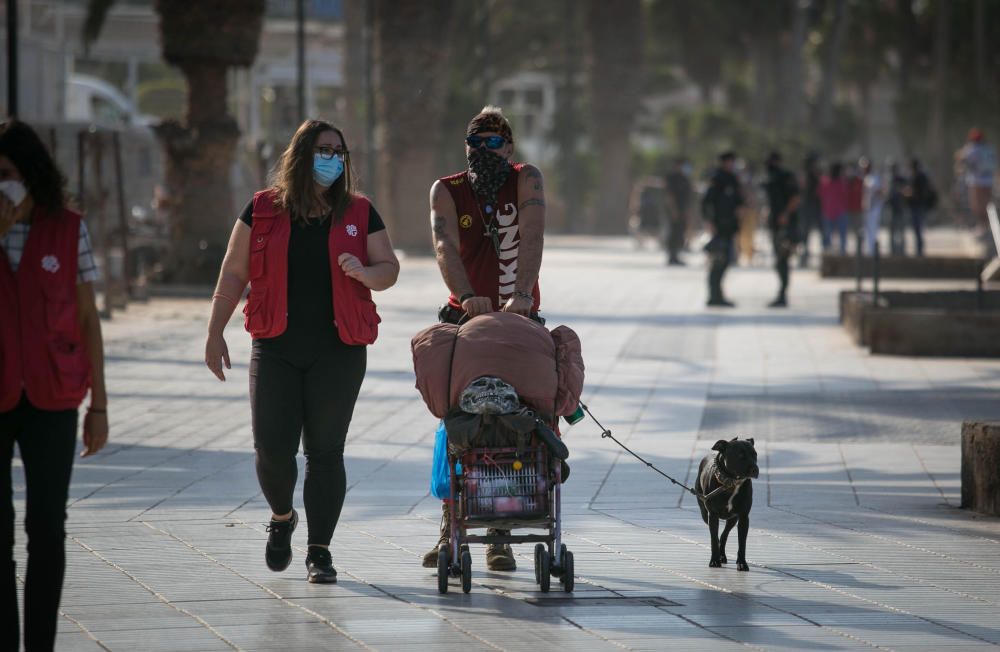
(531, 224)
(444, 229)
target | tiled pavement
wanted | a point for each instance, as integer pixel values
(856, 540)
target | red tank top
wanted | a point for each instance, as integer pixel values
(490, 275)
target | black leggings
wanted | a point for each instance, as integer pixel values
(47, 441)
(304, 388)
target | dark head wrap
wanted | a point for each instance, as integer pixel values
(488, 171)
(490, 119)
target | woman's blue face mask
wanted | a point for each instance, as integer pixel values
(327, 170)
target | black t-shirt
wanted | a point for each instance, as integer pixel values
(310, 287)
(722, 201)
(781, 187)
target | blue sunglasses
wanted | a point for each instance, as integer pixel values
(493, 142)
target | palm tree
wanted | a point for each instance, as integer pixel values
(411, 58)
(203, 40)
(616, 59)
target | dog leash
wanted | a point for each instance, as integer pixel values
(606, 434)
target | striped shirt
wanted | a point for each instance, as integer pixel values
(13, 245)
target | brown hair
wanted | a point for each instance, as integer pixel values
(292, 177)
(42, 177)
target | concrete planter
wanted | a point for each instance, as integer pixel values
(924, 323)
(981, 467)
(845, 266)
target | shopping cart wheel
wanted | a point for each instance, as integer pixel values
(539, 553)
(466, 571)
(567, 571)
(544, 571)
(443, 569)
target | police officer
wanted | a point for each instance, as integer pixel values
(783, 197)
(720, 208)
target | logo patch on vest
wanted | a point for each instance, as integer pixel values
(352, 230)
(50, 264)
(456, 182)
(465, 221)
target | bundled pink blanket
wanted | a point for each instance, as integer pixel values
(546, 368)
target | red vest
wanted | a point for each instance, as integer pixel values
(490, 276)
(266, 309)
(42, 352)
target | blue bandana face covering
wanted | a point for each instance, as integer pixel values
(326, 171)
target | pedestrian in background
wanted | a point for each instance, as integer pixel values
(921, 198)
(855, 202)
(978, 160)
(872, 201)
(720, 208)
(312, 249)
(896, 201)
(51, 354)
(679, 192)
(833, 198)
(783, 200)
(810, 211)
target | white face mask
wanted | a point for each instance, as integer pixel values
(14, 190)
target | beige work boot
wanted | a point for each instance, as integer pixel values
(499, 556)
(431, 558)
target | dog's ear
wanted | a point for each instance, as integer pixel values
(721, 445)
(751, 441)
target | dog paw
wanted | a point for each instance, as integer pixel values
(722, 559)
(742, 565)
(714, 563)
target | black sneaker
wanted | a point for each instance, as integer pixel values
(780, 302)
(278, 553)
(319, 566)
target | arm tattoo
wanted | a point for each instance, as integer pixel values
(531, 202)
(438, 224)
(534, 172)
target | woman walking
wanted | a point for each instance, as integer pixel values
(312, 249)
(51, 353)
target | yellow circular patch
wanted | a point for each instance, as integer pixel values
(465, 221)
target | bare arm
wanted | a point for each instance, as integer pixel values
(95, 424)
(232, 281)
(444, 227)
(383, 266)
(531, 224)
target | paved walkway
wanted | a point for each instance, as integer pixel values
(856, 539)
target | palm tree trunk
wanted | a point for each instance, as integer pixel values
(936, 139)
(791, 94)
(831, 62)
(411, 62)
(615, 38)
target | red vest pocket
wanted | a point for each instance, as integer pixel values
(258, 319)
(72, 371)
(358, 323)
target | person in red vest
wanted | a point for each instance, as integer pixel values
(488, 225)
(51, 354)
(312, 249)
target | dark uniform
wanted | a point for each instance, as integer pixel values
(782, 188)
(679, 189)
(720, 207)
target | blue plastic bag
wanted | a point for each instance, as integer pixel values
(440, 476)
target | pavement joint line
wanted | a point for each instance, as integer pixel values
(83, 629)
(908, 517)
(850, 478)
(723, 589)
(930, 475)
(897, 542)
(159, 596)
(429, 610)
(260, 586)
(638, 418)
(180, 490)
(872, 566)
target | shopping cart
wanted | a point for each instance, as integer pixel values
(507, 488)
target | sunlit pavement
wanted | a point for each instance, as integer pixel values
(856, 537)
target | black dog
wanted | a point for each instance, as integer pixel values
(724, 491)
